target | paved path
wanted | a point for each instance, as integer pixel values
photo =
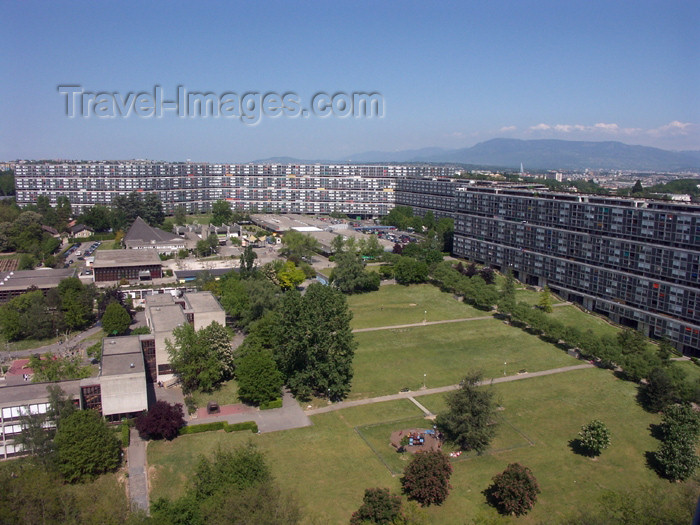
(55, 347)
(138, 482)
(438, 390)
(291, 415)
(428, 323)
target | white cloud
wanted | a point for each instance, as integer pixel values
(675, 127)
(541, 127)
(609, 128)
(506, 129)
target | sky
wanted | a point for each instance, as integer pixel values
(448, 74)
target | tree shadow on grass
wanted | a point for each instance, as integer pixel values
(653, 463)
(577, 448)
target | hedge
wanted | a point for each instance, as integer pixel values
(126, 434)
(277, 403)
(219, 425)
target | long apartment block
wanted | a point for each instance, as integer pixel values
(312, 188)
(636, 261)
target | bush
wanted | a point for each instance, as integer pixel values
(594, 438)
(277, 403)
(514, 491)
(245, 425)
(125, 430)
(161, 421)
(426, 478)
(191, 405)
(203, 427)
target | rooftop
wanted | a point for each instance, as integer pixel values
(202, 302)
(166, 318)
(122, 355)
(110, 258)
(26, 393)
(42, 279)
(140, 231)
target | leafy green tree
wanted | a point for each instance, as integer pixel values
(290, 276)
(85, 446)
(379, 505)
(659, 391)
(221, 213)
(180, 216)
(545, 302)
(426, 478)
(514, 491)
(298, 245)
(350, 276)
(247, 262)
(506, 301)
(337, 244)
(195, 365)
(217, 339)
(469, 421)
(49, 368)
(259, 380)
(637, 189)
(410, 271)
(676, 458)
(594, 437)
(97, 217)
(315, 346)
(116, 320)
(240, 467)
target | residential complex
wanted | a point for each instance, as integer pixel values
(311, 188)
(634, 260)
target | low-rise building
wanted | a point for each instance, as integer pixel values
(114, 265)
(18, 282)
(141, 236)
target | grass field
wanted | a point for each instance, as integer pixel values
(226, 394)
(329, 465)
(572, 316)
(107, 245)
(388, 360)
(396, 304)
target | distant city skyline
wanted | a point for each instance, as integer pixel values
(449, 77)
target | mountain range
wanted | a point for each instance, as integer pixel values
(537, 154)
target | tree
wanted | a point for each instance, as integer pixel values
(162, 420)
(298, 245)
(241, 467)
(315, 346)
(426, 478)
(637, 189)
(85, 446)
(379, 505)
(487, 274)
(221, 213)
(545, 302)
(247, 261)
(290, 276)
(116, 320)
(506, 302)
(217, 339)
(259, 380)
(514, 491)
(676, 458)
(594, 438)
(469, 419)
(659, 391)
(350, 276)
(180, 216)
(197, 366)
(410, 271)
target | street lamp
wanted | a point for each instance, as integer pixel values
(424, 380)
(425, 316)
(504, 367)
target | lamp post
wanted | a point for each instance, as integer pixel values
(425, 316)
(504, 367)
(424, 375)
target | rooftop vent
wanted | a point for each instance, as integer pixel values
(131, 365)
(113, 342)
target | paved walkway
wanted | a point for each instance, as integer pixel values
(138, 481)
(291, 415)
(428, 323)
(438, 390)
(55, 347)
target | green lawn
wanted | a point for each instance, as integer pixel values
(226, 394)
(108, 245)
(388, 360)
(397, 304)
(572, 316)
(329, 465)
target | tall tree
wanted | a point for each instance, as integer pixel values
(514, 491)
(85, 446)
(116, 319)
(426, 478)
(469, 421)
(315, 343)
(221, 213)
(259, 380)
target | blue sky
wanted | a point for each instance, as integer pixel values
(451, 75)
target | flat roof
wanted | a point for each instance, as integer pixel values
(166, 318)
(26, 393)
(42, 279)
(122, 355)
(159, 299)
(203, 302)
(282, 223)
(111, 258)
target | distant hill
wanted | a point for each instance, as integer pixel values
(548, 154)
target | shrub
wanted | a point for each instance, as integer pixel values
(245, 425)
(514, 491)
(277, 403)
(125, 434)
(161, 421)
(426, 478)
(594, 438)
(191, 405)
(203, 427)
